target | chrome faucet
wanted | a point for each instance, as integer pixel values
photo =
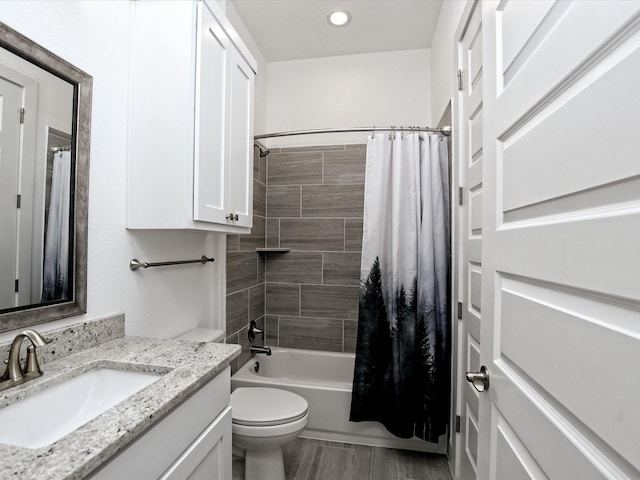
(14, 374)
(257, 349)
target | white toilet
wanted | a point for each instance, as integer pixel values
(263, 420)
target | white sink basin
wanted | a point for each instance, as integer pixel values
(47, 416)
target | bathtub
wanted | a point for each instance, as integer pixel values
(324, 379)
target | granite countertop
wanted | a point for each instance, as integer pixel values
(185, 365)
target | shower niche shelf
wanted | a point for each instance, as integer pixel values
(273, 250)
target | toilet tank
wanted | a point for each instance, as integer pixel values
(203, 335)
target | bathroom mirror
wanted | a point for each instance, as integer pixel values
(45, 116)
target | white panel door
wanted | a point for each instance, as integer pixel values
(212, 108)
(560, 251)
(468, 118)
(10, 105)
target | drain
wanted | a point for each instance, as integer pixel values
(256, 367)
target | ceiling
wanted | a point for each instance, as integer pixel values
(298, 29)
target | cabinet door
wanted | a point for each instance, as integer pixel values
(240, 141)
(209, 456)
(211, 110)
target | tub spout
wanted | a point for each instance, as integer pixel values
(256, 349)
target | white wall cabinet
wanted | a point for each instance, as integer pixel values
(191, 442)
(191, 122)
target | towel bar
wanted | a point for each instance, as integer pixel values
(135, 264)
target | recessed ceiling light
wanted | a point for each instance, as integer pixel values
(339, 18)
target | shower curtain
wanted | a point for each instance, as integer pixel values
(402, 367)
(55, 276)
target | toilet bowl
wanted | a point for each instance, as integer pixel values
(263, 421)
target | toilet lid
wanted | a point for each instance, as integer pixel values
(266, 406)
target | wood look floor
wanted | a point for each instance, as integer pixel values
(306, 459)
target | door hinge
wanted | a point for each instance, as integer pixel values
(22, 115)
(457, 423)
(460, 195)
(18, 201)
(16, 287)
(460, 80)
(459, 310)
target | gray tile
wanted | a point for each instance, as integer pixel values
(332, 200)
(241, 270)
(271, 330)
(298, 460)
(329, 301)
(260, 168)
(259, 199)
(256, 302)
(311, 333)
(283, 201)
(353, 234)
(341, 268)
(233, 243)
(423, 466)
(282, 299)
(273, 233)
(256, 239)
(315, 234)
(261, 268)
(345, 167)
(307, 459)
(294, 267)
(294, 168)
(350, 336)
(237, 311)
(357, 146)
(385, 465)
(315, 148)
(363, 462)
(333, 463)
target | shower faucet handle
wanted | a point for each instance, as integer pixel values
(253, 331)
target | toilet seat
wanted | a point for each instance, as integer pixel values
(264, 407)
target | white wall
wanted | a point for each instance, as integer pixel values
(375, 89)
(442, 56)
(94, 36)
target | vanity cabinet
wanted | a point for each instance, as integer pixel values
(190, 159)
(192, 442)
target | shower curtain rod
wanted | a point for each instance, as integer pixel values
(444, 130)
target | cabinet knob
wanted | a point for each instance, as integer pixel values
(232, 216)
(235, 217)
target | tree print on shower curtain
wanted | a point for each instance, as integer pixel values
(401, 377)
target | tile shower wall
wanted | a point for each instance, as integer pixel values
(315, 201)
(246, 271)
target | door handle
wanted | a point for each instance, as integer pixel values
(479, 380)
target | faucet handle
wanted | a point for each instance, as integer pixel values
(32, 362)
(253, 331)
